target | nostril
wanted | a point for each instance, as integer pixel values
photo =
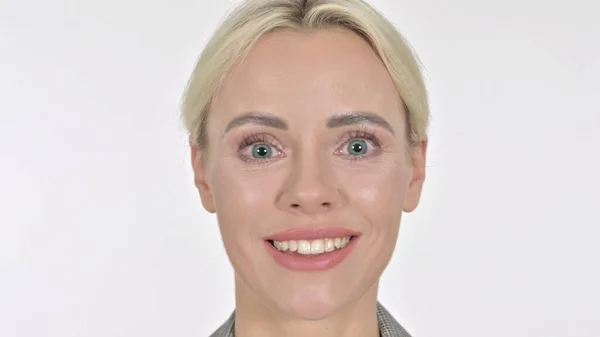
(323, 204)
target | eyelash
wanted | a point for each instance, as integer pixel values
(262, 138)
(363, 135)
(252, 139)
(257, 139)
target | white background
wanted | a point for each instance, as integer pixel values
(102, 232)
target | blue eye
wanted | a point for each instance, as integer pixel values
(261, 151)
(358, 147)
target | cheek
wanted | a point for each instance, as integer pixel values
(239, 190)
(379, 194)
(379, 187)
(241, 198)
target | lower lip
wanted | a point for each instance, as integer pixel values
(316, 262)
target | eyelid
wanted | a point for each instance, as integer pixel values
(343, 148)
(360, 134)
(252, 139)
(256, 138)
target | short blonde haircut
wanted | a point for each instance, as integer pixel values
(254, 18)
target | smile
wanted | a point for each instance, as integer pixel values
(311, 249)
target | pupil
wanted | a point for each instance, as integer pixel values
(261, 151)
(358, 147)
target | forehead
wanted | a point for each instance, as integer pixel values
(309, 75)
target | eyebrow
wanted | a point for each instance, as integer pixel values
(358, 117)
(335, 121)
(257, 118)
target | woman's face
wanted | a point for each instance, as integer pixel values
(306, 147)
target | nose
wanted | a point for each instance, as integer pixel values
(311, 188)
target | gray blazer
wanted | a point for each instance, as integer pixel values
(388, 326)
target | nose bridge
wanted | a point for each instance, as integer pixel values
(311, 184)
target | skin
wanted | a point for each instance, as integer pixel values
(311, 178)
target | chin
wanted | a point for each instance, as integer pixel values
(311, 311)
(311, 306)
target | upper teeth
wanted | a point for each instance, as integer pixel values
(306, 247)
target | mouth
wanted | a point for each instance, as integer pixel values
(312, 250)
(309, 248)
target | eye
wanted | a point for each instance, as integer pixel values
(262, 151)
(357, 147)
(259, 148)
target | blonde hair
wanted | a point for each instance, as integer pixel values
(254, 18)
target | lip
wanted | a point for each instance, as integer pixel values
(318, 262)
(312, 234)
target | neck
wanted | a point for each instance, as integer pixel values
(253, 318)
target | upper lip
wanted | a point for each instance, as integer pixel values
(312, 233)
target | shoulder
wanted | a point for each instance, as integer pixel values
(225, 330)
(388, 325)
